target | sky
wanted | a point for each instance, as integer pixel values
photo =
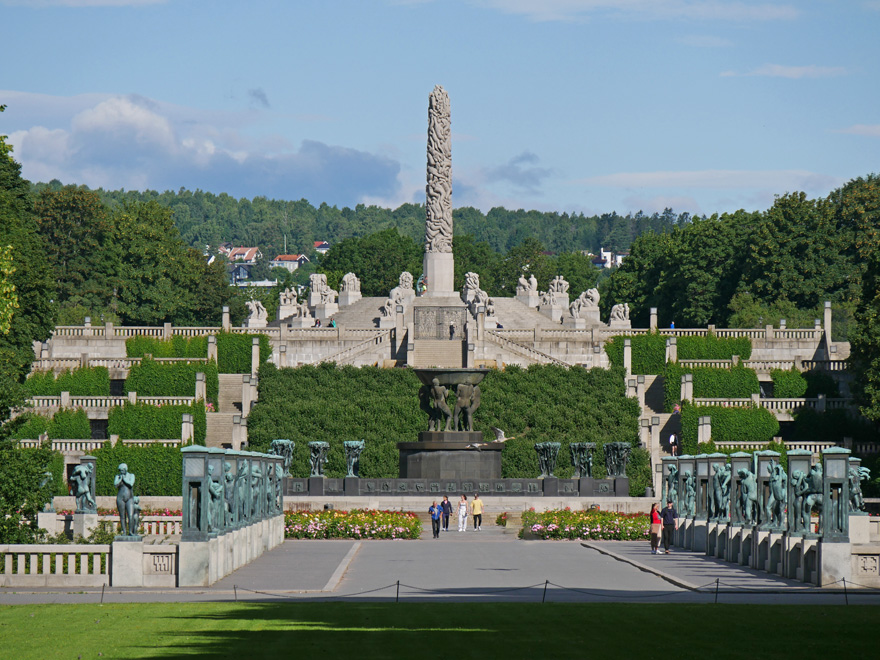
(591, 106)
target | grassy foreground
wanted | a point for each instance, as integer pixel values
(388, 630)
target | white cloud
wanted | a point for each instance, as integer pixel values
(718, 180)
(136, 143)
(793, 72)
(577, 10)
(869, 130)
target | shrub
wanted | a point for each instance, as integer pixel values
(151, 378)
(176, 347)
(648, 352)
(820, 382)
(810, 425)
(788, 383)
(66, 424)
(710, 347)
(709, 382)
(140, 421)
(234, 352)
(593, 524)
(357, 524)
(85, 381)
(157, 469)
(750, 424)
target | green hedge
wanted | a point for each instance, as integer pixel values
(66, 424)
(750, 424)
(709, 382)
(151, 378)
(234, 352)
(381, 406)
(140, 421)
(85, 381)
(788, 383)
(648, 352)
(820, 382)
(710, 347)
(176, 347)
(157, 470)
(834, 425)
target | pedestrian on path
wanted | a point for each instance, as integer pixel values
(462, 513)
(435, 512)
(670, 524)
(656, 527)
(477, 510)
(673, 444)
(446, 506)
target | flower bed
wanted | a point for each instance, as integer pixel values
(595, 525)
(357, 524)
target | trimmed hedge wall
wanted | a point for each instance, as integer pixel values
(66, 424)
(151, 378)
(648, 352)
(709, 382)
(140, 421)
(751, 424)
(234, 352)
(381, 406)
(157, 470)
(710, 347)
(788, 383)
(85, 381)
(176, 347)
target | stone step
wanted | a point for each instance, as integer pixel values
(229, 396)
(219, 428)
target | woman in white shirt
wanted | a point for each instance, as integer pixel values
(462, 514)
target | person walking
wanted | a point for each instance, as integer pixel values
(446, 507)
(477, 510)
(673, 444)
(435, 512)
(656, 527)
(462, 513)
(669, 516)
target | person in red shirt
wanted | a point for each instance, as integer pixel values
(656, 528)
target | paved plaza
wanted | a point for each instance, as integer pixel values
(484, 566)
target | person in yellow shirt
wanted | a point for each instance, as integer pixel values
(477, 511)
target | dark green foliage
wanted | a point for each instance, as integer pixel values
(788, 384)
(820, 382)
(21, 497)
(835, 425)
(710, 347)
(176, 347)
(648, 352)
(234, 352)
(85, 381)
(64, 425)
(157, 470)
(140, 421)
(532, 405)
(29, 426)
(709, 382)
(750, 424)
(151, 378)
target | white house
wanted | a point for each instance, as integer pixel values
(289, 261)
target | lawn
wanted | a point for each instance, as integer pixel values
(389, 630)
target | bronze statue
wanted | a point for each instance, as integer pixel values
(124, 482)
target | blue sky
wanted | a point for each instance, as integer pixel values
(570, 105)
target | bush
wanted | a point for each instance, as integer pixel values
(86, 381)
(151, 378)
(820, 382)
(22, 472)
(66, 424)
(709, 382)
(176, 347)
(710, 347)
(381, 406)
(140, 421)
(788, 383)
(810, 425)
(593, 524)
(648, 352)
(750, 424)
(157, 469)
(357, 524)
(234, 352)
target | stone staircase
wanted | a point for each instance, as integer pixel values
(438, 353)
(362, 314)
(219, 429)
(514, 315)
(229, 398)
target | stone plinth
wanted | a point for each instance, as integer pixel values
(348, 297)
(439, 270)
(591, 316)
(616, 487)
(554, 312)
(388, 321)
(286, 311)
(84, 523)
(301, 322)
(529, 299)
(127, 567)
(625, 325)
(574, 324)
(326, 310)
(256, 323)
(447, 455)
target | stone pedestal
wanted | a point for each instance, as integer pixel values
(48, 520)
(301, 322)
(835, 563)
(351, 486)
(285, 311)
(447, 455)
(316, 486)
(348, 297)
(84, 523)
(256, 323)
(616, 487)
(127, 565)
(574, 324)
(550, 486)
(195, 557)
(554, 312)
(388, 321)
(591, 316)
(859, 529)
(439, 270)
(326, 310)
(529, 299)
(622, 325)
(700, 536)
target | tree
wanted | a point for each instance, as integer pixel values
(8, 297)
(23, 491)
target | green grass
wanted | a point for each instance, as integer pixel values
(415, 630)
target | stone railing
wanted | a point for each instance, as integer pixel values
(523, 351)
(60, 364)
(352, 352)
(816, 447)
(778, 405)
(64, 446)
(103, 402)
(44, 565)
(151, 525)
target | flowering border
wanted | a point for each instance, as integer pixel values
(356, 524)
(593, 525)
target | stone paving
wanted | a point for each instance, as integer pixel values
(487, 565)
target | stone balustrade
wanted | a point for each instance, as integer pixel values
(44, 565)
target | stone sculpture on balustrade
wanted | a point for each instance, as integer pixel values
(527, 291)
(318, 451)
(582, 458)
(124, 483)
(353, 449)
(616, 458)
(548, 452)
(620, 316)
(258, 316)
(283, 448)
(349, 289)
(584, 310)
(554, 301)
(322, 299)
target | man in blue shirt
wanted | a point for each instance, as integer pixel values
(669, 516)
(435, 512)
